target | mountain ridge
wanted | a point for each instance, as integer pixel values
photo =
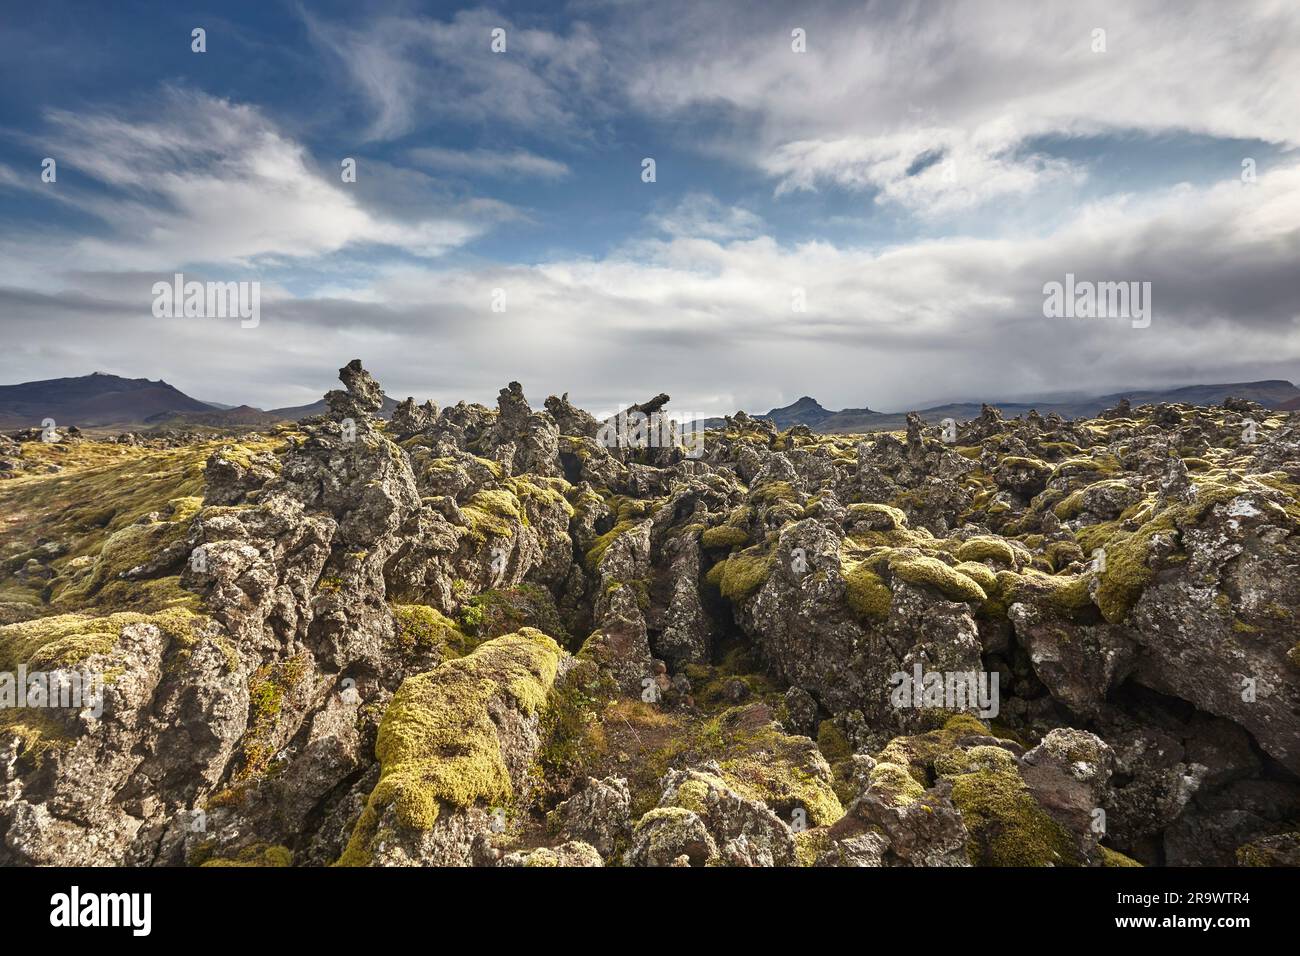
(103, 400)
(1272, 393)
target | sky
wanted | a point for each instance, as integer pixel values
(862, 202)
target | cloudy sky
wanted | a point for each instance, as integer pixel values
(861, 202)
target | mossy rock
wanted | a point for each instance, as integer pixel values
(883, 517)
(602, 543)
(1112, 858)
(423, 628)
(438, 744)
(809, 845)
(981, 574)
(493, 513)
(1066, 595)
(49, 643)
(895, 784)
(774, 491)
(740, 575)
(918, 752)
(866, 592)
(724, 536)
(543, 492)
(500, 611)
(1007, 827)
(928, 571)
(832, 742)
(259, 855)
(987, 549)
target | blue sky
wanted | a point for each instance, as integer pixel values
(916, 174)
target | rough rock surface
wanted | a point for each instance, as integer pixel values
(507, 637)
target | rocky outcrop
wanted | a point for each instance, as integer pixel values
(508, 637)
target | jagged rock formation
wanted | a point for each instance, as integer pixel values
(468, 636)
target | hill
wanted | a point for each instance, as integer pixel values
(92, 400)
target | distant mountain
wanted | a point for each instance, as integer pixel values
(1274, 393)
(92, 400)
(246, 416)
(110, 401)
(806, 411)
(237, 416)
(295, 412)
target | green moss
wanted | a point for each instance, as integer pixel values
(1062, 554)
(574, 741)
(37, 729)
(987, 549)
(1007, 827)
(895, 784)
(724, 536)
(1127, 572)
(99, 510)
(1261, 854)
(542, 492)
(50, 643)
(925, 570)
(423, 628)
(129, 547)
(1027, 464)
(1100, 463)
(832, 742)
(981, 574)
(1067, 595)
(892, 519)
(774, 491)
(438, 743)
(759, 762)
(493, 513)
(919, 752)
(740, 575)
(1111, 857)
(1070, 507)
(711, 693)
(260, 854)
(809, 845)
(602, 543)
(267, 687)
(1059, 448)
(1096, 536)
(957, 761)
(783, 785)
(500, 611)
(867, 592)
(693, 794)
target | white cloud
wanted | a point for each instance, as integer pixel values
(518, 163)
(701, 216)
(932, 172)
(206, 180)
(411, 69)
(882, 85)
(710, 321)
